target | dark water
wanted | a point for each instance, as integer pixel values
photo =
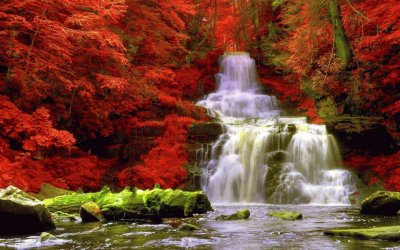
(259, 232)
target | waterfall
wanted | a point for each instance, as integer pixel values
(262, 156)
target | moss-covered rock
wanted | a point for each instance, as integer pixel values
(239, 215)
(189, 227)
(21, 213)
(136, 204)
(382, 203)
(286, 215)
(61, 216)
(48, 191)
(375, 233)
(90, 212)
(46, 237)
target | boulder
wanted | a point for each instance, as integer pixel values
(90, 212)
(20, 213)
(286, 215)
(239, 215)
(391, 233)
(149, 205)
(189, 227)
(382, 203)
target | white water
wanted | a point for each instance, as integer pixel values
(309, 168)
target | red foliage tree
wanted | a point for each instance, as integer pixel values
(164, 164)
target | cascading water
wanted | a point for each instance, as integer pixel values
(263, 157)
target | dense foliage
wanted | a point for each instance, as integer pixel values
(82, 81)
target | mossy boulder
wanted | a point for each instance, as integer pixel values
(48, 191)
(135, 204)
(286, 215)
(239, 215)
(189, 227)
(391, 233)
(21, 213)
(61, 216)
(90, 212)
(46, 237)
(382, 203)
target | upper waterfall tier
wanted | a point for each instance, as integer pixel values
(238, 94)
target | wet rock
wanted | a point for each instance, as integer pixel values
(239, 215)
(286, 215)
(48, 191)
(205, 132)
(90, 212)
(21, 213)
(46, 237)
(360, 134)
(149, 205)
(61, 216)
(382, 203)
(189, 227)
(391, 233)
(291, 128)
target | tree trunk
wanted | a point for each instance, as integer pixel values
(343, 49)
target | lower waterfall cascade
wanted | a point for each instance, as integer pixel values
(263, 157)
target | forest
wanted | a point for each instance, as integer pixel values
(103, 92)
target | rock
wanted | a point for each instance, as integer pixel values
(382, 203)
(374, 233)
(189, 227)
(48, 191)
(46, 236)
(360, 134)
(21, 213)
(90, 212)
(286, 215)
(149, 205)
(205, 132)
(239, 215)
(61, 216)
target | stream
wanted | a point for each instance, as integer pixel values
(258, 232)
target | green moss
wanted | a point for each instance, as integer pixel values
(286, 215)
(135, 204)
(46, 237)
(239, 215)
(381, 233)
